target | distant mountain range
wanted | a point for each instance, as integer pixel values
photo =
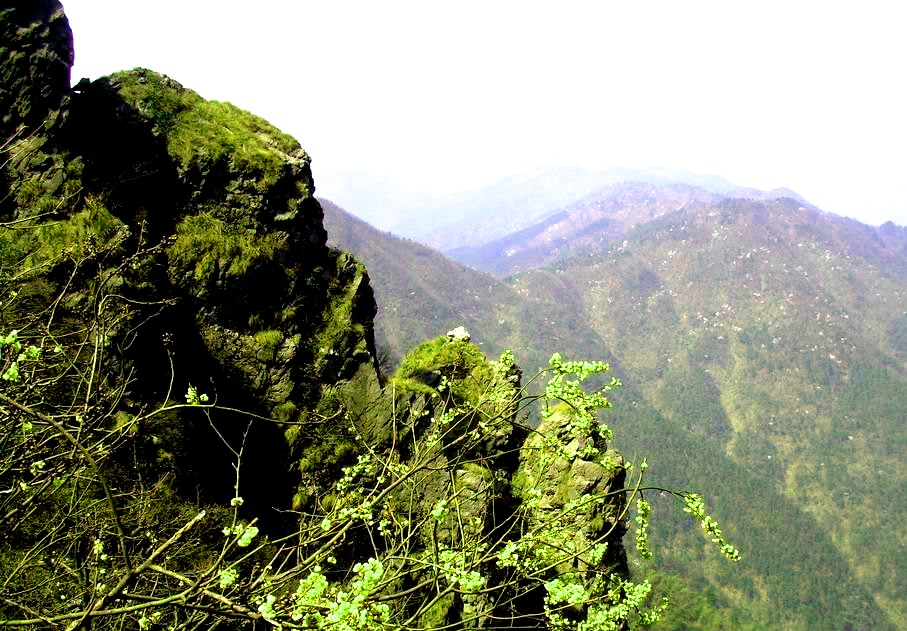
(763, 347)
(588, 225)
(474, 218)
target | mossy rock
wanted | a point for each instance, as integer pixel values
(203, 133)
(464, 364)
(345, 336)
(81, 235)
(209, 253)
(36, 54)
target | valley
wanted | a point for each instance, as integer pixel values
(760, 340)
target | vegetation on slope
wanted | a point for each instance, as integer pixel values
(420, 293)
(762, 332)
(763, 341)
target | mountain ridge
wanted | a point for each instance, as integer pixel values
(419, 292)
(781, 320)
(475, 217)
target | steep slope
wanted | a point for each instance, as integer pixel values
(763, 342)
(183, 233)
(420, 294)
(769, 338)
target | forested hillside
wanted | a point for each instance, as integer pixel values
(763, 343)
(420, 292)
(770, 335)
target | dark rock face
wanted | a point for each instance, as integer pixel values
(190, 229)
(35, 58)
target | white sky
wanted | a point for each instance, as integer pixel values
(448, 96)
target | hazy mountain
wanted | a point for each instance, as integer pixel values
(518, 202)
(588, 225)
(582, 227)
(764, 343)
(508, 205)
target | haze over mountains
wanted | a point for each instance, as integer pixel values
(763, 347)
(505, 206)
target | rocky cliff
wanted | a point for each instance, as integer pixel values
(37, 52)
(190, 342)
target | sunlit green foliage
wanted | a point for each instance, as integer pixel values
(367, 506)
(206, 132)
(209, 248)
(460, 359)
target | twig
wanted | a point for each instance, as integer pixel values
(121, 534)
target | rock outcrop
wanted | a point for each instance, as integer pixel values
(188, 231)
(36, 54)
(571, 478)
(172, 250)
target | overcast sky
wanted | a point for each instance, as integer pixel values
(441, 96)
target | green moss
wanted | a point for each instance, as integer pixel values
(597, 523)
(85, 232)
(442, 352)
(212, 131)
(211, 248)
(286, 412)
(321, 461)
(437, 615)
(155, 97)
(405, 384)
(339, 324)
(74, 168)
(521, 482)
(463, 363)
(318, 457)
(267, 343)
(291, 434)
(478, 470)
(204, 132)
(42, 182)
(32, 193)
